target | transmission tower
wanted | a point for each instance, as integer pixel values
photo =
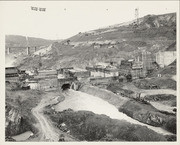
(137, 15)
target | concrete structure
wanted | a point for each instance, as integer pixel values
(46, 80)
(79, 73)
(101, 80)
(28, 50)
(115, 61)
(97, 71)
(21, 50)
(34, 85)
(72, 82)
(44, 74)
(137, 65)
(137, 70)
(165, 58)
(73, 72)
(8, 50)
(71, 77)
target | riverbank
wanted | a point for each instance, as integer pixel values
(141, 111)
(88, 126)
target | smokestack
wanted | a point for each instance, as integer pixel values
(28, 50)
(8, 50)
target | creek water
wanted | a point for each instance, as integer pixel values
(23, 136)
(77, 100)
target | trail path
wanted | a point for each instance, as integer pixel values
(48, 132)
(149, 92)
(157, 105)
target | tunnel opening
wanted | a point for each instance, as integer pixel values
(65, 86)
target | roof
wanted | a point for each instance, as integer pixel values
(11, 70)
(102, 65)
(60, 76)
(77, 70)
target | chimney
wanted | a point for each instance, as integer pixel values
(28, 50)
(8, 50)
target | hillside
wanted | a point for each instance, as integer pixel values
(154, 33)
(150, 26)
(20, 41)
(172, 47)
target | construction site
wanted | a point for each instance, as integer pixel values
(116, 83)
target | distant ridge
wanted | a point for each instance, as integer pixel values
(20, 41)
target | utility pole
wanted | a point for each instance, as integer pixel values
(137, 16)
(28, 48)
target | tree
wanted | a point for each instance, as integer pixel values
(68, 41)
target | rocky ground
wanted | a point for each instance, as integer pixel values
(87, 126)
(33, 111)
(24, 112)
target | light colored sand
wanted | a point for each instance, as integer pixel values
(82, 101)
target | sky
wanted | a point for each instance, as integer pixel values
(62, 19)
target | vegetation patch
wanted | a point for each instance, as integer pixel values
(166, 99)
(147, 114)
(87, 126)
(161, 83)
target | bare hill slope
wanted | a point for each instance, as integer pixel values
(154, 33)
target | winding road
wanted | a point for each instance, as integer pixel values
(47, 131)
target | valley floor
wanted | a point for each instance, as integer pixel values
(47, 113)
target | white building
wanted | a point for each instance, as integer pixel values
(165, 58)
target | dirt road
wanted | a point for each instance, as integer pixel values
(149, 92)
(157, 105)
(47, 131)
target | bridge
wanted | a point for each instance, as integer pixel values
(21, 49)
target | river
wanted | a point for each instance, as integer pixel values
(77, 100)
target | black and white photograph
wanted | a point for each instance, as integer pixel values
(89, 71)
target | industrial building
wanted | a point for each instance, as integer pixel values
(49, 73)
(74, 72)
(47, 79)
(103, 71)
(12, 72)
(165, 58)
